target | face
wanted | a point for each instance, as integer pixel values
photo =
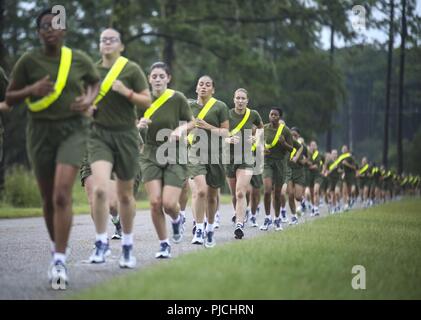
(364, 161)
(344, 149)
(295, 135)
(274, 116)
(110, 43)
(48, 35)
(313, 145)
(334, 154)
(159, 79)
(240, 100)
(205, 87)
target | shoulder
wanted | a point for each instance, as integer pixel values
(221, 104)
(266, 126)
(81, 56)
(255, 113)
(179, 97)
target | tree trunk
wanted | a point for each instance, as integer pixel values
(400, 94)
(388, 82)
(168, 52)
(329, 115)
(2, 47)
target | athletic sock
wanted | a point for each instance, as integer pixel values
(210, 227)
(176, 220)
(164, 241)
(60, 257)
(200, 226)
(103, 237)
(127, 239)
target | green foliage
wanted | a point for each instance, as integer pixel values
(20, 188)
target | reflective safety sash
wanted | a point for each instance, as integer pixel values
(202, 114)
(363, 169)
(158, 103)
(315, 154)
(293, 152)
(339, 160)
(242, 123)
(62, 75)
(276, 138)
(111, 76)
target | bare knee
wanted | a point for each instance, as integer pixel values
(100, 193)
(125, 199)
(62, 198)
(240, 194)
(170, 207)
(156, 204)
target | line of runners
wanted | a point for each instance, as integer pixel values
(91, 113)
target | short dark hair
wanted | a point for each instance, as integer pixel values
(295, 129)
(205, 75)
(44, 13)
(281, 113)
(160, 65)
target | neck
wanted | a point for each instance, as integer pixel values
(158, 93)
(203, 100)
(108, 60)
(52, 51)
(240, 111)
(275, 124)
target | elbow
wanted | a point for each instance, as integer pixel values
(9, 99)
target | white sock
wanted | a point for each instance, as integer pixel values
(316, 209)
(253, 215)
(164, 241)
(200, 226)
(183, 213)
(209, 227)
(52, 246)
(269, 216)
(127, 239)
(60, 257)
(176, 220)
(217, 213)
(103, 237)
(294, 216)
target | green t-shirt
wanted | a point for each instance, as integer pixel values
(318, 160)
(297, 146)
(168, 116)
(335, 172)
(348, 170)
(278, 151)
(35, 65)
(115, 110)
(246, 131)
(215, 117)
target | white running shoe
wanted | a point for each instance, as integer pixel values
(198, 237)
(101, 251)
(266, 224)
(127, 260)
(164, 251)
(294, 221)
(59, 279)
(277, 224)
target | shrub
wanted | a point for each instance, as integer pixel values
(20, 188)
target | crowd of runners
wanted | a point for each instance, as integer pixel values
(110, 123)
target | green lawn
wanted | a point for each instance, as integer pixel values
(309, 261)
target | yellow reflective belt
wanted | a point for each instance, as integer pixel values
(242, 123)
(62, 75)
(315, 154)
(276, 138)
(293, 152)
(158, 103)
(110, 78)
(363, 169)
(202, 114)
(339, 160)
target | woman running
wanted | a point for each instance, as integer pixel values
(57, 128)
(239, 171)
(211, 121)
(114, 143)
(164, 174)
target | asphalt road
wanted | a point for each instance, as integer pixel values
(25, 255)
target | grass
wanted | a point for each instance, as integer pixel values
(80, 205)
(309, 261)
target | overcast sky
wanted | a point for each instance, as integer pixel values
(370, 34)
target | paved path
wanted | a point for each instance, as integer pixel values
(25, 256)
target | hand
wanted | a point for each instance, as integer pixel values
(176, 134)
(202, 124)
(119, 87)
(90, 111)
(252, 139)
(80, 104)
(294, 159)
(143, 123)
(42, 87)
(4, 107)
(232, 140)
